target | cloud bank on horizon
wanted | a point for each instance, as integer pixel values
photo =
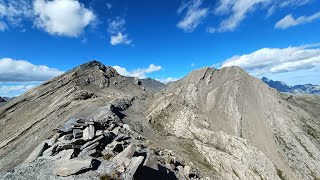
(277, 60)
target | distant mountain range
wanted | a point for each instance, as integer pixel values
(4, 100)
(297, 89)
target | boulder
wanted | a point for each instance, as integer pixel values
(151, 162)
(88, 133)
(132, 167)
(99, 132)
(91, 147)
(50, 150)
(126, 127)
(86, 153)
(126, 154)
(77, 133)
(62, 155)
(116, 131)
(89, 143)
(72, 166)
(136, 81)
(37, 152)
(68, 126)
(110, 128)
(53, 140)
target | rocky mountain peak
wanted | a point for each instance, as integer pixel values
(94, 65)
(2, 100)
(265, 79)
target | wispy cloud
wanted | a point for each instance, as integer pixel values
(24, 71)
(276, 60)
(276, 5)
(236, 11)
(141, 73)
(117, 31)
(230, 13)
(194, 14)
(14, 90)
(120, 39)
(62, 17)
(3, 26)
(167, 80)
(290, 21)
(12, 13)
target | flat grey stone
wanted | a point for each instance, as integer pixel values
(50, 150)
(116, 131)
(91, 142)
(110, 128)
(123, 156)
(133, 166)
(126, 127)
(72, 166)
(37, 152)
(86, 153)
(151, 162)
(53, 139)
(88, 133)
(63, 155)
(77, 133)
(92, 146)
(99, 132)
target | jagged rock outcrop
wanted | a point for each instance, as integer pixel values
(108, 154)
(263, 135)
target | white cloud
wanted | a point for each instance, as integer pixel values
(120, 39)
(289, 20)
(109, 5)
(116, 25)
(236, 11)
(193, 16)
(275, 5)
(167, 80)
(230, 13)
(117, 31)
(62, 17)
(3, 26)
(141, 73)
(23, 71)
(15, 90)
(13, 12)
(275, 60)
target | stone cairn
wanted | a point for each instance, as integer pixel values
(82, 145)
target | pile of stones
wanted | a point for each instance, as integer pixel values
(83, 145)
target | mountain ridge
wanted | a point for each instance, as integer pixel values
(296, 89)
(226, 122)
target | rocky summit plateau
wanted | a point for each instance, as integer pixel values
(93, 123)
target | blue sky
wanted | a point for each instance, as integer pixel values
(161, 39)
